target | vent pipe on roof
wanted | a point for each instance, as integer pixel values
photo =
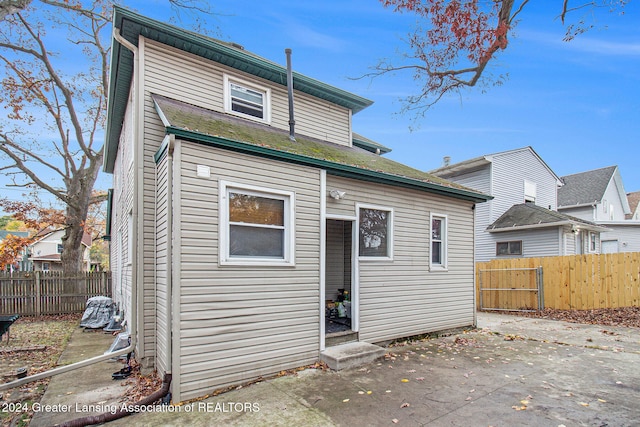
(292, 122)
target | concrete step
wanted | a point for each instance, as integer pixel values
(351, 354)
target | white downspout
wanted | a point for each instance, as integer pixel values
(134, 309)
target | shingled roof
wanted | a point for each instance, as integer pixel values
(209, 127)
(585, 187)
(634, 199)
(530, 215)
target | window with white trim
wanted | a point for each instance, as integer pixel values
(256, 225)
(593, 242)
(530, 191)
(375, 232)
(438, 259)
(247, 100)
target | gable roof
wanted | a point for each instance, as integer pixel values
(476, 163)
(530, 215)
(586, 188)
(51, 233)
(208, 127)
(633, 198)
(128, 26)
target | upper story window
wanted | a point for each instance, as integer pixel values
(247, 100)
(375, 232)
(530, 191)
(59, 248)
(438, 258)
(256, 225)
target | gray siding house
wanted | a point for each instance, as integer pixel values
(522, 219)
(234, 243)
(634, 205)
(599, 196)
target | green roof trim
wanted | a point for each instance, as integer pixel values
(208, 127)
(369, 145)
(130, 25)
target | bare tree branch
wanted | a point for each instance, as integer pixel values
(461, 39)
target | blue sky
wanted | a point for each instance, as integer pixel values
(577, 104)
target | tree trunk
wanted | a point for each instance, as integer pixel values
(80, 186)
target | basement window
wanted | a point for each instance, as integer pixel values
(247, 100)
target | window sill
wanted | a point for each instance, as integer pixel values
(256, 263)
(374, 258)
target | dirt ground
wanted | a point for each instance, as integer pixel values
(36, 344)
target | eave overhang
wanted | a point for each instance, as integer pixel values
(131, 25)
(332, 168)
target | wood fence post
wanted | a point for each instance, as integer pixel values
(38, 297)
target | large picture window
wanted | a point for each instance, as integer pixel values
(438, 258)
(375, 232)
(256, 225)
(246, 100)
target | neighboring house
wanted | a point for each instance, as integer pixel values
(22, 264)
(521, 220)
(634, 206)
(228, 238)
(44, 252)
(599, 196)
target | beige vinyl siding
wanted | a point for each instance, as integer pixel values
(402, 297)
(163, 260)
(122, 206)
(238, 323)
(179, 75)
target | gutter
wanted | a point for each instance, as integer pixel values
(134, 312)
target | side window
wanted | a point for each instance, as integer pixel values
(509, 248)
(375, 232)
(593, 242)
(247, 100)
(256, 225)
(438, 235)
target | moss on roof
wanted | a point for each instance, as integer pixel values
(195, 119)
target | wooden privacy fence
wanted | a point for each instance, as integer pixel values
(575, 282)
(510, 289)
(33, 293)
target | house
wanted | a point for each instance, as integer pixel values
(634, 205)
(44, 252)
(23, 263)
(599, 196)
(237, 237)
(522, 219)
